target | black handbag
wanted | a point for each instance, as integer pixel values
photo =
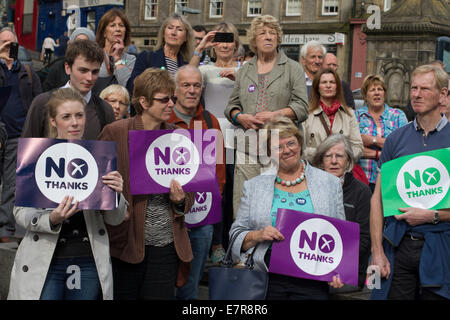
(228, 283)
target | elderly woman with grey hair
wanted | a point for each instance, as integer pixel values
(291, 184)
(119, 99)
(335, 156)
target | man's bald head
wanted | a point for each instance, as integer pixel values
(330, 61)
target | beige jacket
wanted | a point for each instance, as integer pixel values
(343, 123)
(35, 252)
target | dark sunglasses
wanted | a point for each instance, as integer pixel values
(166, 99)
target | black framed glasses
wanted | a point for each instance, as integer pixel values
(166, 99)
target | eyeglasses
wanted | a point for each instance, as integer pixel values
(329, 157)
(165, 99)
(290, 145)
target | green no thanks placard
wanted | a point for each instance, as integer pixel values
(420, 180)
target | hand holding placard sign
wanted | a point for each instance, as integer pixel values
(50, 169)
(316, 247)
(159, 156)
(420, 180)
(207, 208)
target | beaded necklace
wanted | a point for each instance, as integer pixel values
(291, 183)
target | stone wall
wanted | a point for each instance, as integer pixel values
(394, 58)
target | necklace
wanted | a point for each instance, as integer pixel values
(291, 183)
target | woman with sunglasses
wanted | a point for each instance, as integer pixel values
(150, 250)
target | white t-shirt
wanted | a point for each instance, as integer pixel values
(216, 93)
(49, 43)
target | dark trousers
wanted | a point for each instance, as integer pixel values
(152, 279)
(47, 55)
(227, 206)
(8, 158)
(405, 278)
(290, 288)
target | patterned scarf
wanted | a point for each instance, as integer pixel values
(330, 111)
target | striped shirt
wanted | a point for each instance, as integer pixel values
(158, 227)
(172, 66)
(390, 120)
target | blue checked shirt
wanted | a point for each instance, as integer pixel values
(390, 120)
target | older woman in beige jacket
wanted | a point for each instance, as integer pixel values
(329, 114)
(268, 85)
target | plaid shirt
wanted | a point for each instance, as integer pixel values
(390, 120)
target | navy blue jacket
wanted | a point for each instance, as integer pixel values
(23, 92)
(434, 268)
(150, 59)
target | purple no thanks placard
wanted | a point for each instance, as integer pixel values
(49, 169)
(316, 247)
(158, 156)
(207, 208)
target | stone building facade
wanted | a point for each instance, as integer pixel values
(302, 20)
(340, 25)
(406, 39)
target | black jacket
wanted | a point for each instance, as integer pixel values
(357, 209)
(56, 77)
(98, 114)
(28, 88)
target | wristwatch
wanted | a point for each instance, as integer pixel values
(436, 217)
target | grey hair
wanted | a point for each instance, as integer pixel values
(115, 88)
(312, 44)
(10, 30)
(330, 142)
(188, 67)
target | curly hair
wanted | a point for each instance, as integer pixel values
(260, 22)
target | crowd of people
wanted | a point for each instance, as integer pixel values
(324, 151)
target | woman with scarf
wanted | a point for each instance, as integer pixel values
(329, 114)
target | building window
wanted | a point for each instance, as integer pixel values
(90, 20)
(215, 8)
(151, 7)
(330, 7)
(293, 7)
(27, 21)
(179, 4)
(254, 8)
(387, 5)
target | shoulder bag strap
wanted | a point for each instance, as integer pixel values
(324, 123)
(207, 117)
(30, 77)
(228, 261)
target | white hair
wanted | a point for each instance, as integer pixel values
(188, 67)
(313, 45)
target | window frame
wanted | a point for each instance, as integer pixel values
(293, 14)
(150, 3)
(252, 14)
(330, 13)
(178, 2)
(211, 2)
